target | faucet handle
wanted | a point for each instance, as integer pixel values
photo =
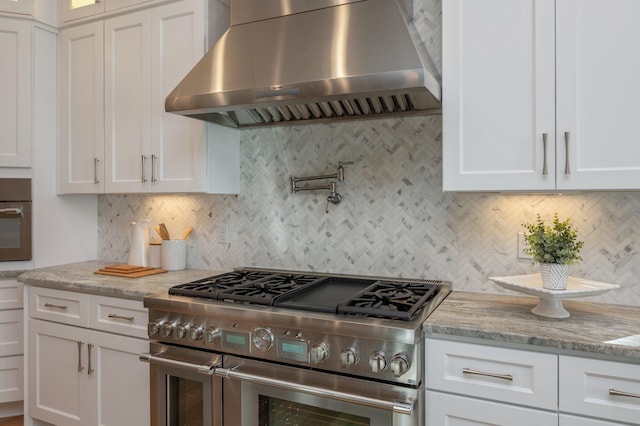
(341, 165)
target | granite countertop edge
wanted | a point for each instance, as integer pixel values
(80, 277)
(499, 318)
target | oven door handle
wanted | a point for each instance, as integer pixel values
(166, 362)
(10, 212)
(394, 406)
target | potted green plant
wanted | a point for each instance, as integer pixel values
(555, 247)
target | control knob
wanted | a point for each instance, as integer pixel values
(195, 333)
(153, 328)
(181, 331)
(212, 335)
(167, 329)
(399, 364)
(378, 361)
(319, 353)
(349, 357)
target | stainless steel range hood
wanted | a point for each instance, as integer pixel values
(304, 61)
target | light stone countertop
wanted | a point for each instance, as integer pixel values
(81, 277)
(596, 328)
(10, 274)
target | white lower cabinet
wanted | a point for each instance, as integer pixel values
(597, 388)
(452, 410)
(477, 384)
(11, 342)
(83, 376)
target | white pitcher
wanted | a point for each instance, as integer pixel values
(139, 242)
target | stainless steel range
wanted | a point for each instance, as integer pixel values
(271, 347)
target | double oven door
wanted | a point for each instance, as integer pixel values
(192, 388)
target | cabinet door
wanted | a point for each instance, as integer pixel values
(178, 142)
(127, 105)
(81, 121)
(498, 95)
(450, 410)
(76, 9)
(598, 91)
(58, 379)
(23, 7)
(121, 380)
(15, 87)
(11, 375)
(11, 331)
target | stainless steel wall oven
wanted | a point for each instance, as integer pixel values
(15, 219)
(266, 347)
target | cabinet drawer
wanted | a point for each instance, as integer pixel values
(11, 332)
(446, 409)
(60, 306)
(10, 294)
(506, 375)
(588, 387)
(123, 316)
(11, 379)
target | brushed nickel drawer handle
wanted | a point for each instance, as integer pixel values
(508, 377)
(89, 369)
(80, 367)
(615, 392)
(545, 171)
(116, 316)
(51, 305)
(567, 169)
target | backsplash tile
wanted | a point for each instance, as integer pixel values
(394, 219)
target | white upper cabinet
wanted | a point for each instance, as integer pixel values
(598, 93)
(23, 7)
(146, 53)
(81, 110)
(16, 93)
(517, 73)
(71, 10)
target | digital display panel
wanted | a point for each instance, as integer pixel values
(294, 348)
(297, 350)
(236, 341)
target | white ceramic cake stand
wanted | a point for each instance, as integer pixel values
(550, 304)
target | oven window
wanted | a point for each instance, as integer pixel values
(278, 412)
(9, 231)
(185, 402)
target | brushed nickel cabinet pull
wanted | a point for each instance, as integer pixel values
(89, 370)
(567, 169)
(508, 377)
(80, 367)
(545, 136)
(144, 160)
(153, 168)
(51, 305)
(615, 392)
(95, 171)
(116, 316)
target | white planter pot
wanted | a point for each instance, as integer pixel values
(554, 276)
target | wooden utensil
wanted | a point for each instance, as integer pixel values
(187, 232)
(164, 233)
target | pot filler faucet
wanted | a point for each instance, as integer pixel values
(334, 197)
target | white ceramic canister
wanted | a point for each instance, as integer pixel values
(174, 254)
(139, 242)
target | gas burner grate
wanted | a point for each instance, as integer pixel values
(209, 288)
(265, 291)
(392, 300)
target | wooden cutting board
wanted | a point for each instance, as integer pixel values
(129, 271)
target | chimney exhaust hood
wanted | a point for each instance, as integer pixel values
(284, 62)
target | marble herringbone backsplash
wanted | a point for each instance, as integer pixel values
(394, 219)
